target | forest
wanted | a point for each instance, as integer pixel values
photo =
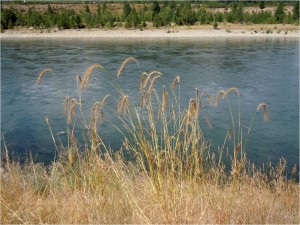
(146, 14)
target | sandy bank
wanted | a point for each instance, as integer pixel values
(179, 32)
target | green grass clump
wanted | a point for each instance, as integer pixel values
(172, 176)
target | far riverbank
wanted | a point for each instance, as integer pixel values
(232, 30)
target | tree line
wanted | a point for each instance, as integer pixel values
(156, 13)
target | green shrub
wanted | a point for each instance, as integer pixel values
(8, 18)
(215, 24)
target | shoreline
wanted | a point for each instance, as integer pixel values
(166, 32)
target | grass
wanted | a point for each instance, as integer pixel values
(172, 175)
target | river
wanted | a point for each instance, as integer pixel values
(263, 69)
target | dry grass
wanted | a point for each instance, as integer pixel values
(41, 74)
(152, 83)
(193, 107)
(145, 82)
(175, 82)
(264, 105)
(93, 193)
(172, 176)
(72, 110)
(87, 74)
(232, 89)
(219, 94)
(130, 59)
(122, 104)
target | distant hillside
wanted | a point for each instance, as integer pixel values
(140, 15)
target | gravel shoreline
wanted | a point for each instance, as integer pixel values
(151, 33)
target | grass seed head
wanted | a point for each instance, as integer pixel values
(72, 110)
(193, 107)
(220, 93)
(130, 59)
(149, 77)
(41, 74)
(175, 82)
(143, 80)
(154, 72)
(152, 83)
(87, 74)
(104, 100)
(232, 89)
(95, 113)
(79, 79)
(122, 104)
(198, 98)
(264, 105)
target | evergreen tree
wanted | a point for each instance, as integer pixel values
(240, 14)
(49, 10)
(8, 18)
(261, 4)
(201, 15)
(209, 18)
(64, 20)
(219, 17)
(296, 11)
(126, 9)
(134, 17)
(215, 24)
(87, 8)
(98, 16)
(78, 21)
(155, 8)
(187, 16)
(279, 13)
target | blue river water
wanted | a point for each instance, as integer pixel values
(263, 69)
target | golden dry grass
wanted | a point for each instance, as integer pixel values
(87, 74)
(172, 177)
(152, 83)
(130, 59)
(175, 82)
(94, 193)
(264, 105)
(193, 107)
(41, 74)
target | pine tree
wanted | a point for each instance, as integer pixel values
(262, 5)
(215, 24)
(134, 17)
(155, 8)
(296, 11)
(279, 13)
(50, 10)
(126, 9)
(86, 8)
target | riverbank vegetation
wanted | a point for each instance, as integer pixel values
(147, 14)
(164, 172)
